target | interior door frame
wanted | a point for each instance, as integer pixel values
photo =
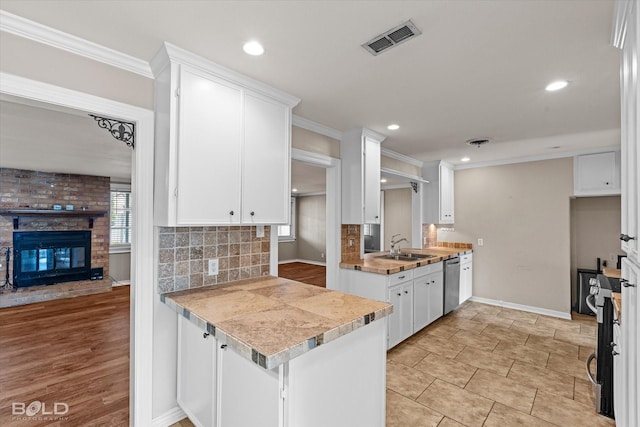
(333, 210)
(142, 245)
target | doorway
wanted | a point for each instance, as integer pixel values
(142, 289)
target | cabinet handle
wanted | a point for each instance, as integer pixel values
(626, 237)
(615, 353)
(401, 277)
(252, 213)
(231, 213)
(626, 283)
(223, 346)
(377, 217)
(399, 294)
(205, 335)
(406, 292)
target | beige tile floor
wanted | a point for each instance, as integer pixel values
(482, 365)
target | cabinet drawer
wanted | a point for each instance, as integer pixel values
(400, 277)
(426, 269)
(465, 258)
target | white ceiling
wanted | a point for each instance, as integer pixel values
(478, 69)
(47, 138)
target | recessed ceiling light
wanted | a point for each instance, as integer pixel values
(465, 159)
(253, 48)
(383, 180)
(393, 127)
(295, 190)
(557, 85)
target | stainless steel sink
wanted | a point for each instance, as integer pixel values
(406, 257)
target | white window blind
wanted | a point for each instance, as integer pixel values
(120, 218)
(288, 232)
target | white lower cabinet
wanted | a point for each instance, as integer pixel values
(401, 320)
(619, 379)
(466, 277)
(428, 298)
(217, 387)
(416, 294)
(196, 374)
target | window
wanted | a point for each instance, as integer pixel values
(120, 218)
(287, 233)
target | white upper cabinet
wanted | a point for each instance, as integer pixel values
(360, 156)
(223, 145)
(267, 159)
(596, 174)
(438, 206)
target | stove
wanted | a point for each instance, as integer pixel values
(599, 301)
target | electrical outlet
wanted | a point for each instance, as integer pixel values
(480, 242)
(259, 230)
(322, 255)
(213, 267)
(352, 242)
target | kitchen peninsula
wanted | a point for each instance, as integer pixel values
(266, 351)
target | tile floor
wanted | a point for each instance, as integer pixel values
(483, 365)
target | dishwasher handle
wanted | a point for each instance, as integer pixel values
(590, 300)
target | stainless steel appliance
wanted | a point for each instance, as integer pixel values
(599, 301)
(451, 284)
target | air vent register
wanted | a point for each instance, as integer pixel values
(391, 38)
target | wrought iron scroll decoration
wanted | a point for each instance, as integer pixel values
(414, 185)
(122, 131)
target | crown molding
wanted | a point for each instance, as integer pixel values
(31, 30)
(403, 175)
(172, 53)
(538, 158)
(312, 126)
(395, 155)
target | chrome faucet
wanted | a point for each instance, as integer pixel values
(394, 242)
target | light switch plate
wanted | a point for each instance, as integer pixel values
(480, 242)
(259, 230)
(213, 267)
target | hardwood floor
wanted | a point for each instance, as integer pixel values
(72, 351)
(305, 273)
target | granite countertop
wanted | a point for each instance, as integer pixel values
(372, 264)
(272, 320)
(614, 273)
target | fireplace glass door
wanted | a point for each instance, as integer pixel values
(45, 257)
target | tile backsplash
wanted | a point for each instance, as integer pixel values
(184, 254)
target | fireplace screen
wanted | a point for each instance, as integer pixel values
(46, 257)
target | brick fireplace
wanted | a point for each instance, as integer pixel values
(38, 191)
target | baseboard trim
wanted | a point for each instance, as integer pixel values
(306, 261)
(172, 416)
(531, 309)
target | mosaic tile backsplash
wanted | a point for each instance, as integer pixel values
(184, 254)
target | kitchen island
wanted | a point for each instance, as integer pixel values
(275, 352)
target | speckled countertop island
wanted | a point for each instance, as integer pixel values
(372, 264)
(272, 320)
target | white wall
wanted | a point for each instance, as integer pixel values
(312, 228)
(120, 266)
(522, 213)
(397, 216)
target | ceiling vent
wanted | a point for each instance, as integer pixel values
(391, 38)
(477, 142)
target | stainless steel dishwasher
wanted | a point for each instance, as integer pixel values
(451, 284)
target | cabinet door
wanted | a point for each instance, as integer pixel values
(629, 337)
(436, 297)
(421, 301)
(446, 194)
(248, 394)
(406, 311)
(209, 148)
(267, 161)
(395, 319)
(371, 181)
(619, 379)
(196, 373)
(466, 281)
(597, 174)
(629, 143)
